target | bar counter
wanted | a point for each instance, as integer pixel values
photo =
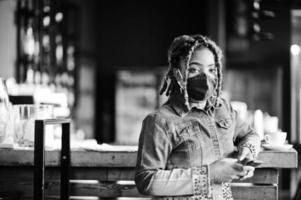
(116, 164)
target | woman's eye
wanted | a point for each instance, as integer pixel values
(213, 70)
(192, 70)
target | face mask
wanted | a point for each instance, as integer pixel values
(200, 87)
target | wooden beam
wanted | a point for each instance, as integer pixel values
(123, 158)
(281, 159)
(241, 191)
(261, 176)
(254, 192)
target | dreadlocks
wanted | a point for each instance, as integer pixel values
(182, 49)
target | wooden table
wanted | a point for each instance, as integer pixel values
(110, 174)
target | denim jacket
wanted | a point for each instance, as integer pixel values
(176, 146)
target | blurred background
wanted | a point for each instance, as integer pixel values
(101, 62)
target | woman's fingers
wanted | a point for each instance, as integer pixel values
(238, 167)
(245, 155)
(242, 154)
(249, 172)
(249, 175)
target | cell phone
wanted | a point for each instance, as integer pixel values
(254, 163)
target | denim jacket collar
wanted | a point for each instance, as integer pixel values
(177, 103)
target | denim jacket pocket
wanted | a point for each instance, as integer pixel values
(189, 134)
(187, 129)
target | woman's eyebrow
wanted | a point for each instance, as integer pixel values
(196, 63)
(199, 64)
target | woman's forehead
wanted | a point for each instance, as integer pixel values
(203, 56)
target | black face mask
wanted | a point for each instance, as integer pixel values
(200, 87)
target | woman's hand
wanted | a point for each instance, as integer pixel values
(244, 155)
(227, 169)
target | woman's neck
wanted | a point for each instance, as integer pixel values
(198, 104)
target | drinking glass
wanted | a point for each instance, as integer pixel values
(5, 113)
(24, 122)
(24, 116)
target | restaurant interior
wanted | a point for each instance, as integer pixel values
(101, 64)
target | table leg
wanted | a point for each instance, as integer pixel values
(65, 161)
(39, 161)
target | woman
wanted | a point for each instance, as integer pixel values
(195, 144)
